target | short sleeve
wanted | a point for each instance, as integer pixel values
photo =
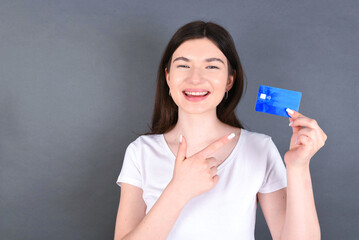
(130, 172)
(276, 175)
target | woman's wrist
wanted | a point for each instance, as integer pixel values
(298, 165)
(298, 171)
(173, 190)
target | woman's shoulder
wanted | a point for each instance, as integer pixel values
(147, 140)
(254, 134)
(255, 138)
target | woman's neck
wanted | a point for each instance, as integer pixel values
(199, 129)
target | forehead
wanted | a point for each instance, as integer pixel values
(199, 49)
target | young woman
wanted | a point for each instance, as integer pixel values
(199, 173)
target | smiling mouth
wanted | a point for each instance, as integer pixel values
(196, 94)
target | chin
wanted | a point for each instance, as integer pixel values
(198, 107)
(198, 110)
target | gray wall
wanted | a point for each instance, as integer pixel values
(77, 82)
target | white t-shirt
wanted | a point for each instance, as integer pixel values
(228, 210)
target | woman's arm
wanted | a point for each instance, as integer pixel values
(191, 177)
(273, 206)
(299, 220)
(290, 212)
(132, 223)
(131, 210)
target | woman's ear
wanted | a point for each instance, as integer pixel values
(167, 75)
(230, 81)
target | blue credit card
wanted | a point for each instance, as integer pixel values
(275, 100)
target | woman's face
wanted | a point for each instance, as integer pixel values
(198, 76)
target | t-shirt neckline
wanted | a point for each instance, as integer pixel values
(224, 163)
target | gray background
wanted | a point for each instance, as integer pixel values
(77, 83)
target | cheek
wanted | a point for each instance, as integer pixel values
(219, 82)
(176, 79)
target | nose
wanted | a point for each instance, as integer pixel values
(195, 76)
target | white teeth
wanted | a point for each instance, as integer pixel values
(196, 93)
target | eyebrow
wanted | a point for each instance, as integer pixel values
(181, 58)
(207, 60)
(214, 59)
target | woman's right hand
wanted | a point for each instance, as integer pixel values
(197, 174)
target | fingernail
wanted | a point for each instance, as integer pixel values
(290, 124)
(231, 136)
(290, 111)
(181, 138)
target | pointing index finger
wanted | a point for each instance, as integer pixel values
(213, 147)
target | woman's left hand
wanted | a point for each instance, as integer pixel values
(306, 140)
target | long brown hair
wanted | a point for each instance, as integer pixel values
(165, 114)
